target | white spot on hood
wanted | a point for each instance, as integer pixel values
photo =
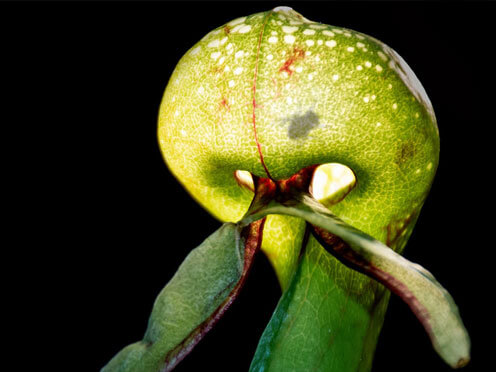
(411, 81)
(289, 29)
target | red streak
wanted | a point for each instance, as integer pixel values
(254, 102)
(252, 236)
(225, 104)
(297, 54)
(400, 289)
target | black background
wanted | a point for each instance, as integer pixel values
(111, 224)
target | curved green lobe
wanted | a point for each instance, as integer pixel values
(204, 286)
(430, 302)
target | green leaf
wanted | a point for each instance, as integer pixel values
(202, 289)
(327, 320)
(430, 302)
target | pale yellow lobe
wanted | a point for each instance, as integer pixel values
(331, 183)
(282, 240)
(245, 179)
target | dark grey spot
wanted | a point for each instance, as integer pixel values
(301, 125)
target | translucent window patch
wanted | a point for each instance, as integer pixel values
(331, 183)
(244, 179)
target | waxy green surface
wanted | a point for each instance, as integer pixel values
(271, 76)
(273, 93)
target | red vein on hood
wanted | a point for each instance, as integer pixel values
(254, 102)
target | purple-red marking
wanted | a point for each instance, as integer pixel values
(254, 102)
(252, 235)
(297, 55)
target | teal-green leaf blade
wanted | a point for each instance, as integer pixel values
(204, 286)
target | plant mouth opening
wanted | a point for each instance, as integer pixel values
(328, 183)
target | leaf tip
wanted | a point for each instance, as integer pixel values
(462, 362)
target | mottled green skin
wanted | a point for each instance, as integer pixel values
(206, 128)
(373, 116)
